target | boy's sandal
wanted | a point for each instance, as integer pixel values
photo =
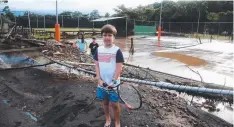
(107, 125)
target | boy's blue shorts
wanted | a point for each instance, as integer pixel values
(110, 95)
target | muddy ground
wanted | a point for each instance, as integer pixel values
(55, 99)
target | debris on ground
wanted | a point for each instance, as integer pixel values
(49, 97)
(64, 52)
(71, 94)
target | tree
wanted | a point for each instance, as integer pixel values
(76, 14)
(94, 14)
(6, 10)
(181, 11)
(66, 13)
(107, 15)
(213, 17)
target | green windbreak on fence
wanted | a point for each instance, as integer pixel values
(144, 30)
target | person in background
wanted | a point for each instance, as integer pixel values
(93, 46)
(81, 44)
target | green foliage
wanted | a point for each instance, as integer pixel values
(213, 16)
(181, 11)
(7, 12)
(94, 14)
(107, 15)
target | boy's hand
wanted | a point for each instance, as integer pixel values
(111, 85)
(100, 82)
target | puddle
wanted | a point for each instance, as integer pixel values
(16, 60)
(219, 109)
(188, 60)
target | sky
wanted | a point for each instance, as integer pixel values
(85, 6)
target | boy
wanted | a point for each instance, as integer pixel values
(109, 61)
(93, 46)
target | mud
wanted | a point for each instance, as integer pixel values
(70, 93)
(188, 60)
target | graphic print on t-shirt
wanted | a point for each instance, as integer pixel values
(106, 57)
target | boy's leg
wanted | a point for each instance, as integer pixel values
(102, 95)
(114, 99)
(106, 107)
(116, 109)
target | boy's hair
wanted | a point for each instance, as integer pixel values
(94, 37)
(109, 29)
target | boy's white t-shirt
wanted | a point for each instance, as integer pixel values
(107, 59)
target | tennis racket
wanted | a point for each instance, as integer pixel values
(128, 94)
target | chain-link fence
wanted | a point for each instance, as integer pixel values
(48, 21)
(213, 28)
(205, 29)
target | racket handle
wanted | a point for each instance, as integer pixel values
(104, 85)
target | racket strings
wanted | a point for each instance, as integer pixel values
(130, 96)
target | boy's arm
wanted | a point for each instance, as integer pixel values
(97, 70)
(119, 64)
(90, 45)
(118, 70)
(98, 77)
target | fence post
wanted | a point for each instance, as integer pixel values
(135, 22)
(29, 24)
(169, 27)
(93, 25)
(37, 21)
(126, 27)
(198, 21)
(78, 21)
(180, 28)
(44, 22)
(204, 33)
(192, 28)
(62, 20)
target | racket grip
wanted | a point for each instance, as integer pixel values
(104, 85)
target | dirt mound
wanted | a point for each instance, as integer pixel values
(61, 51)
(65, 52)
(70, 95)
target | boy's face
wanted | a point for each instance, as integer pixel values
(108, 38)
(80, 36)
(94, 40)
